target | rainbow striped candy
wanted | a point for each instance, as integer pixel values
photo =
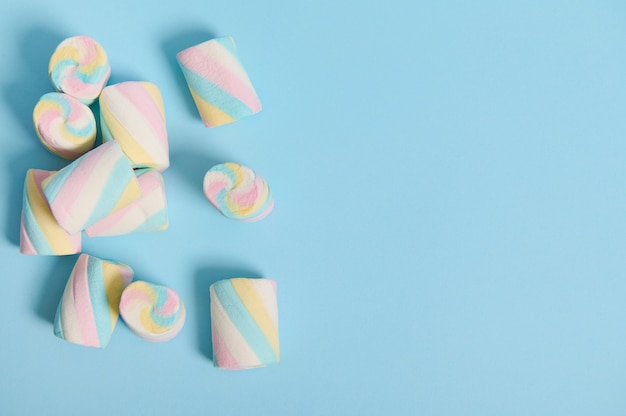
(218, 82)
(79, 67)
(89, 309)
(91, 188)
(238, 192)
(65, 126)
(155, 313)
(40, 234)
(147, 213)
(132, 113)
(244, 323)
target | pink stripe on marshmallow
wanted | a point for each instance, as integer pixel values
(76, 111)
(171, 304)
(26, 246)
(222, 354)
(87, 48)
(73, 83)
(248, 198)
(82, 301)
(46, 120)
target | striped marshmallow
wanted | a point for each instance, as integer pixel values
(89, 309)
(146, 214)
(132, 113)
(91, 188)
(244, 323)
(40, 234)
(218, 83)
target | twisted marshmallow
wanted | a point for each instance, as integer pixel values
(238, 192)
(155, 313)
(79, 67)
(65, 126)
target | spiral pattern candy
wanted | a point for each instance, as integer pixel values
(40, 234)
(91, 188)
(147, 213)
(244, 323)
(65, 126)
(132, 113)
(89, 309)
(79, 67)
(155, 313)
(238, 192)
(218, 83)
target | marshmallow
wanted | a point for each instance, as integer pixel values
(147, 213)
(79, 67)
(91, 188)
(89, 309)
(244, 323)
(65, 126)
(218, 82)
(132, 113)
(238, 192)
(40, 234)
(155, 313)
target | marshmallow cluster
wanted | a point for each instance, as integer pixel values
(244, 312)
(98, 291)
(117, 188)
(113, 189)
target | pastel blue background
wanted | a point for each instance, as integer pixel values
(449, 233)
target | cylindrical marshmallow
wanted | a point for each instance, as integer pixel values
(244, 323)
(91, 188)
(218, 82)
(65, 126)
(155, 313)
(238, 192)
(132, 113)
(147, 213)
(40, 234)
(79, 67)
(89, 309)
